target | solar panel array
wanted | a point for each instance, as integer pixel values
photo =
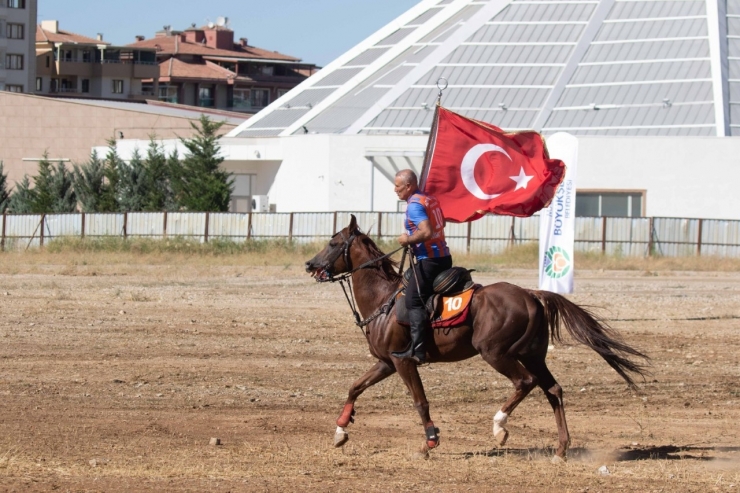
(588, 67)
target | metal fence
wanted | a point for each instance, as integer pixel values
(665, 236)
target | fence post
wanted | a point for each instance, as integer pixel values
(249, 225)
(164, 225)
(603, 234)
(380, 225)
(698, 239)
(82, 234)
(41, 234)
(650, 237)
(125, 225)
(470, 230)
(290, 229)
(334, 225)
(205, 233)
(512, 236)
(2, 242)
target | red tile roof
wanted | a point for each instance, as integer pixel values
(177, 69)
(174, 45)
(61, 36)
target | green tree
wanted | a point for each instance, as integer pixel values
(43, 188)
(4, 193)
(132, 187)
(108, 201)
(89, 183)
(157, 188)
(53, 189)
(198, 183)
(63, 191)
(23, 198)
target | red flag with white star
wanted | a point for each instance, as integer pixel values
(474, 168)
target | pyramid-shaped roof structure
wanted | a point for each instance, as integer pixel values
(588, 67)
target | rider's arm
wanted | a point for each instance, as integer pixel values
(418, 215)
(422, 233)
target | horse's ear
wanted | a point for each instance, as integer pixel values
(352, 223)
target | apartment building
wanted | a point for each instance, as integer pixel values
(17, 52)
(69, 64)
(203, 66)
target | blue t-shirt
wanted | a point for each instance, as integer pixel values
(416, 212)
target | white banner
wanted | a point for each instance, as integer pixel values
(558, 222)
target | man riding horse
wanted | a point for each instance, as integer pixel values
(424, 225)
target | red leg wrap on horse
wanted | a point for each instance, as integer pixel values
(347, 415)
(432, 434)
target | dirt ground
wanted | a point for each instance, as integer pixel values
(115, 376)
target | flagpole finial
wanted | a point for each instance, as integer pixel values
(441, 85)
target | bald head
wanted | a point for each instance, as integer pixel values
(408, 177)
(406, 184)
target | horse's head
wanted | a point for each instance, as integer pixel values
(335, 257)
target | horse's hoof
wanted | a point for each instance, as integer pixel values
(340, 438)
(501, 437)
(557, 460)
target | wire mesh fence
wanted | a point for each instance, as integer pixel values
(626, 236)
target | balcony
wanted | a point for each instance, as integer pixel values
(63, 90)
(107, 68)
(141, 95)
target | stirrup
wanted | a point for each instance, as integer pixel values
(411, 354)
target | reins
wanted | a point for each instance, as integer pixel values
(347, 277)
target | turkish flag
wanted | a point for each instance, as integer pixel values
(474, 168)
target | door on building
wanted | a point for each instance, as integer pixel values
(245, 186)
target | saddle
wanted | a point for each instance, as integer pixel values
(448, 306)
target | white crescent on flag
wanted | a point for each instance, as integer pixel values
(467, 169)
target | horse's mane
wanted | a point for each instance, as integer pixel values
(388, 267)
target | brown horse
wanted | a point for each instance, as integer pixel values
(510, 327)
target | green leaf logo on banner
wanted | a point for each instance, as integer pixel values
(557, 262)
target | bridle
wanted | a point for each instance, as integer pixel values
(347, 277)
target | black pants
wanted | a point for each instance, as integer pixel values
(427, 270)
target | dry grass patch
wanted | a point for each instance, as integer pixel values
(110, 256)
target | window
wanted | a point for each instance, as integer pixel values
(16, 4)
(54, 87)
(13, 88)
(260, 97)
(39, 84)
(168, 94)
(14, 31)
(85, 85)
(267, 70)
(205, 97)
(597, 204)
(14, 62)
(241, 98)
(117, 86)
(48, 61)
(86, 56)
(282, 92)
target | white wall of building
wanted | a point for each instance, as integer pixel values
(682, 177)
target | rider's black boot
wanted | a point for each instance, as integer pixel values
(419, 322)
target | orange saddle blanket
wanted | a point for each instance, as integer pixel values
(445, 310)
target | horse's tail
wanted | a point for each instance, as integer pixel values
(590, 330)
